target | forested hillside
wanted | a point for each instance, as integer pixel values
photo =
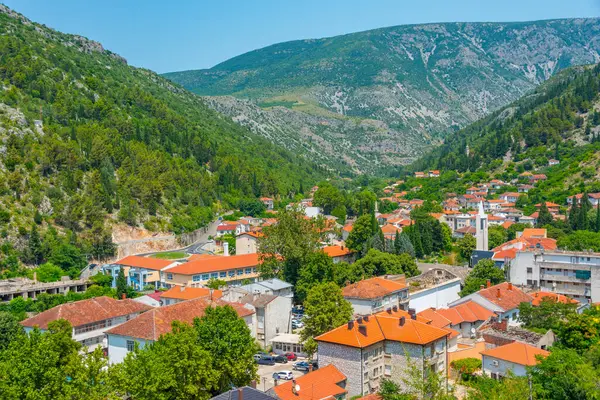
(87, 140)
(411, 85)
(560, 120)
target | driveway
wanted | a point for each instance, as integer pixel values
(265, 372)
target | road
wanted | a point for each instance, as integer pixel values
(265, 373)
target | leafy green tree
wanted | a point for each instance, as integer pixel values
(362, 233)
(466, 246)
(483, 271)
(510, 388)
(565, 375)
(340, 213)
(544, 216)
(251, 207)
(10, 329)
(497, 235)
(328, 197)
(547, 315)
(121, 283)
(35, 251)
(580, 241)
(402, 244)
(319, 268)
(466, 366)
(49, 272)
(377, 263)
(173, 367)
(325, 309)
(215, 284)
(69, 258)
(580, 331)
(223, 334)
(103, 280)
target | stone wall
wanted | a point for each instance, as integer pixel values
(348, 360)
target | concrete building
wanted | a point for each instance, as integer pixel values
(139, 271)
(273, 315)
(272, 286)
(177, 294)
(149, 326)
(89, 318)
(30, 289)
(503, 299)
(435, 288)
(372, 295)
(570, 273)
(481, 226)
(340, 254)
(514, 357)
(288, 343)
(381, 346)
(247, 243)
(499, 333)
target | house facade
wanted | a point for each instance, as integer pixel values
(512, 358)
(273, 315)
(247, 243)
(139, 271)
(372, 295)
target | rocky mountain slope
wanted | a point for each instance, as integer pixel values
(414, 83)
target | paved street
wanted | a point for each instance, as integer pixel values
(265, 372)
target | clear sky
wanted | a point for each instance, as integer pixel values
(191, 34)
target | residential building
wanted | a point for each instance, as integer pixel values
(89, 318)
(149, 326)
(227, 228)
(421, 175)
(376, 294)
(287, 343)
(383, 346)
(268, 202)
(553, 162)
(273, 315)
(540, 296)
(511, 358)
(465, 230)
(139, 271)
(524, 188)
(247, 243)
(435, 288)
(570, 273)
(466, 317)
(434, 174)
(272, 286)
(340, 254)
(593, 198)
(243, 393)
(503, 299)
(510, 197)
(389, 231)
(151, 299)
(499, 333)
(325, 383)
(177, 294)
(232, 269)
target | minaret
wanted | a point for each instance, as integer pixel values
(481, 229)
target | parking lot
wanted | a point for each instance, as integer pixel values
(265, 372)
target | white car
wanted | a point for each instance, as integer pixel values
(285, 375)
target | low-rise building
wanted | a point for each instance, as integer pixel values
(149, 326)
(139, 271)
(288, 343)
(247, 243)
(466, 317)
(325, 383)
(272, 286)
(376, 294)
(384, 345)
(243, 393)
(511, 358)
(268, 202)
(89, 318)
(151, 299)
(273, 315)
(232, 269)
(340, 254)
(435, 288)
(498, 333)
(177, 294)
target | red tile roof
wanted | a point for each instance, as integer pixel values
(517, 353)
(372, 288)
(144, 262)
(323, 383)
(437, 319)
(502, 255)
(156, 322)
(188, 293)
(505, 295)
(538, 297)
(216, 263)
(226, 227)
(87, 311)
(337, 251)
(468, 311)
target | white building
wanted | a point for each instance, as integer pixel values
(571, 273)
(247, 243)
(89, 318)
(273, 286)
(481, 229)
(435, 288)
(273, 315)
(514, 357)
(376, 294)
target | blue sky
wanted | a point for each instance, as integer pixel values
(186, 34)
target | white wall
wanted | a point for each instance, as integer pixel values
(278, 317)
(438, 296)
(502, 368)
(117, 347)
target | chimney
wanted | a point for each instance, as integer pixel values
(359, 320)
(123, 296)
(389, 310)
(402, 321)
(413, 316)
(366, 318)
(501, 325)
(489, 283)
(481, 287)
(181, 288)
(509, 285)
(350, 324)
(498, 293)
(362, 329)
(395, 308)
(253, 384)
(240, 394)
(412, 311)
(226, 249)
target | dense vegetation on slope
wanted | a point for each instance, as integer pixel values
(418, 82)
(85, 137)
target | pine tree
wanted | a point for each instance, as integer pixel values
(36, 253)
(573, 213)
(544, 217)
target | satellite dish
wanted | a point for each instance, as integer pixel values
(297, 387)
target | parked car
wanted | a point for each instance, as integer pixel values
(301, 366)
(257, 357)
(291, 356)
(266, 360)
(281, 359)
(285, 375)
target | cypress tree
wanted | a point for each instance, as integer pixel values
(121, 283)
(544, 217)
(397, 244)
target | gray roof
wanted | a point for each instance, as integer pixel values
(258, 301)
(271, 284)
(248, 393)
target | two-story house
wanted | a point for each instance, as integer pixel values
(340, 254)
(513, 358)
(177, 294)
(376, 294)
(89, 318)
(272, 286)
(139, 271)
(273, 315)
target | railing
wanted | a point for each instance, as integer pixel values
(571, 266)
(562, 278)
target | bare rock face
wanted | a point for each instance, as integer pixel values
(419, 82)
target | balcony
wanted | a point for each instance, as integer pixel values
(562, 278)
(569, 266)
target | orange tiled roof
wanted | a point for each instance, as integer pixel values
(507, 224)
(188, 293)
(517, 353)
(389, 229)
(155, 264)
(468, 311)
(505, 254)
(337, 251)
(322, 383)
(538, 297)
(87, 311)
(437, 319)
(372, 288)
(533, 232)
(505, 295)
(216, 263)
(156, 322)
(252, 234)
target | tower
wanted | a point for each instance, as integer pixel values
(481, 229)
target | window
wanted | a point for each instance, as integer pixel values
(529, 270)
(170, 276)
(204, 277)
(232, 273)
(223, 274)
(254, 269)
(248, 270)
(240, 272)
(130, 345)
(214, 275)
(388, 370)
(196, 278)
